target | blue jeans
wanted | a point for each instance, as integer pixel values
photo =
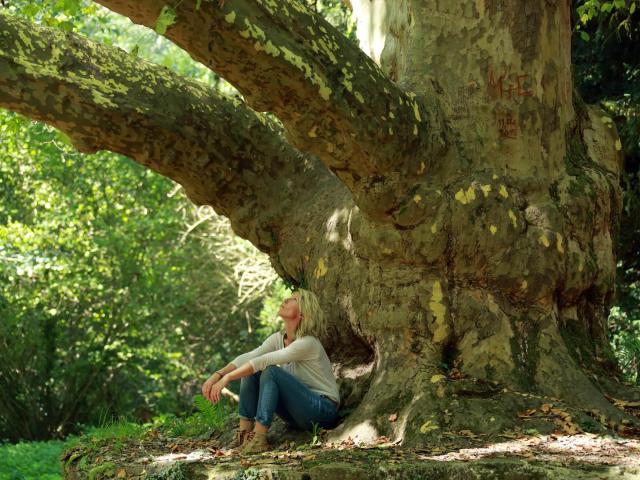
(275, 390)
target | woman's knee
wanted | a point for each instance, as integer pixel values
(250, 382)
(269, 373)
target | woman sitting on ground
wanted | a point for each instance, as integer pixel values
(302, 391)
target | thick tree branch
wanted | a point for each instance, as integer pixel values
(223, 153)
(333, 100)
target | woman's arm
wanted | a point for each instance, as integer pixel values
(269, 345)
(215, 390)
(241, 372)
(230, 367)
(304, 348)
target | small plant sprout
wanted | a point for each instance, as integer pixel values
(315, 434)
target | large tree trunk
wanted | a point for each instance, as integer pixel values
(463, 246)
(504, 267)
(509, 270)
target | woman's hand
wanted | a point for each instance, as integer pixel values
(216, 390)
(213, 386)
(211, 381)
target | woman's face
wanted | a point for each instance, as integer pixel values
(290, 311)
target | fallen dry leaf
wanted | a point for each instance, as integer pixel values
(348, 443)
(380, 440)
(560, 413)
(527, 413)
(624, 404)
(546, 407)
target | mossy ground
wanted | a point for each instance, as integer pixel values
(456, 455)
(531, 437)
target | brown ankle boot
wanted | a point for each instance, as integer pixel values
(238, 439)
(255, 443)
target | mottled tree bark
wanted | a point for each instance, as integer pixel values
(333, 100)
(222, 152)
(468, 225)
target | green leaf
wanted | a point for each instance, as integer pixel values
(166, 18)
(606, 7)
(70, 6)
(31, 10)
(584, 36)
(64, 138)
(633, 8)
(198, 2)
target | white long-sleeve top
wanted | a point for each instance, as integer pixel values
(304, 358)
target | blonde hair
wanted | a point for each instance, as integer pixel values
(313, 321)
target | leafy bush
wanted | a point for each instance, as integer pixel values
(117, 295)
(31, 461)
(106, 303)
(208, 418)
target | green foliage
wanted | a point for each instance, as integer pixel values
(315, 433)
(589, 10)
(93, 251)
(175, 471)
(118, 429)
(117, 295)
(92, 254)
(337, 14)
(83, 261)
(31, 461)
(208, 418)
(269, 320)
(624, 324)
(63, 14)
(166, 18)
(104, 26)
(250, 473)
(98, 471)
